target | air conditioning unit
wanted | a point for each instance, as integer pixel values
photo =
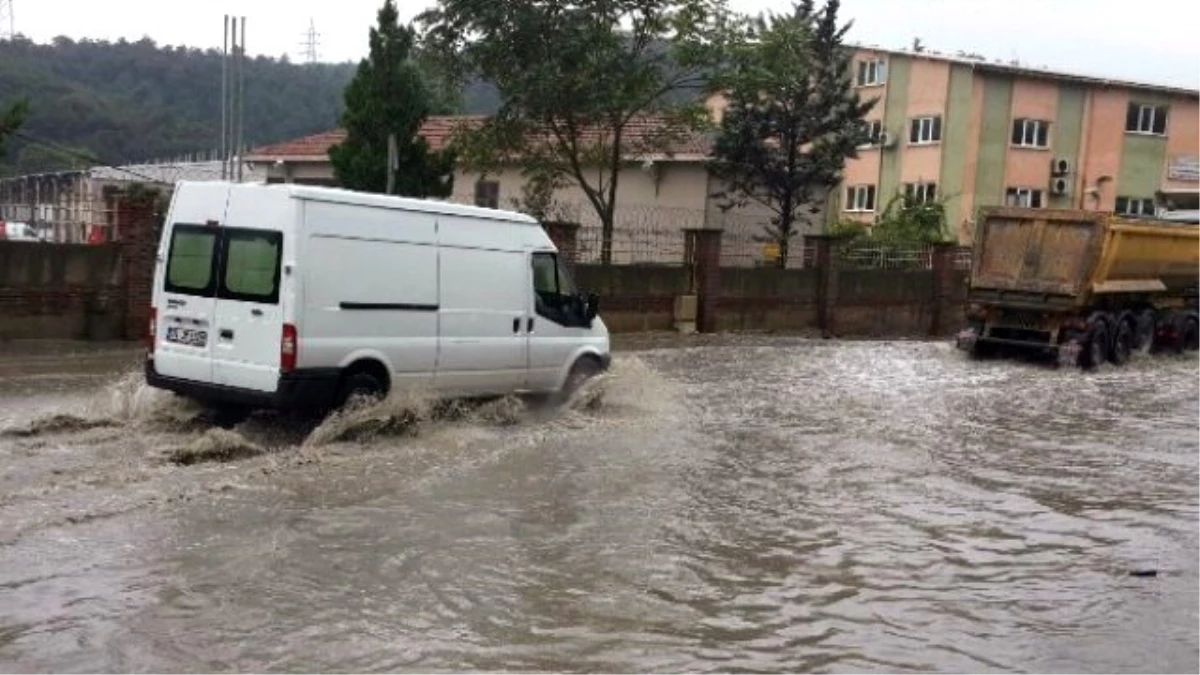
(1060, 166)
(1060, 186)
(886, 140)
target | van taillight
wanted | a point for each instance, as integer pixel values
(152, 330)
(289, 347)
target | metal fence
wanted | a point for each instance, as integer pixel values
(76, 223)
(876, 256)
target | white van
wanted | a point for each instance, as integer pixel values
(297, 297)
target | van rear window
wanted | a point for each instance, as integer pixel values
(250, 269)
(191, 261)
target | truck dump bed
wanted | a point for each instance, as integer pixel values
(1037, 256)
(1058, 258)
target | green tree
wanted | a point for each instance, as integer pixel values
(574, 77)
(792, 118)
(908, 222)
(388, 97)
(11, 118)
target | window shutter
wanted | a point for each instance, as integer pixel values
(870, 197)
(1035, 199)
(914, 132)
(1043, 134)
(937, 129)
(1018, 131)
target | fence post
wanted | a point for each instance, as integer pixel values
(704, 247)
(826, 259)
(138, 244)
(942, 264)
(566, 239)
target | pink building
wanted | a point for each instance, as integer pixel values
(976, 133)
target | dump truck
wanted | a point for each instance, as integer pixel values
(1084, 287)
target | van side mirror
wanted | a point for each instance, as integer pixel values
(592, 306)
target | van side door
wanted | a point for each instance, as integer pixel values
(482, 321)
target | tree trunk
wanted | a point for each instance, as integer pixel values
(783, 251)
(606, 239)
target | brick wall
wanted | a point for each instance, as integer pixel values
(77, 291)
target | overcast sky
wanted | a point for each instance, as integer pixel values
(1143, 40)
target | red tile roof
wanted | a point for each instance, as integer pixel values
(437, 132)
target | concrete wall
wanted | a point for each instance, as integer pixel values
(870, 303)
(60, 291)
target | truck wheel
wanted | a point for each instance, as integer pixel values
(1095, 348)
(1122, 344)
(1143, 334)
(359, 385)
(1191, 335)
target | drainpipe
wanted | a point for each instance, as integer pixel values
(1085, 146)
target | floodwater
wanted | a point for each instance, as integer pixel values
(739, 504)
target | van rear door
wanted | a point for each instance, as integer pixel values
(249, 309)
(187, 305)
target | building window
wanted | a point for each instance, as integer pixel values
(860, 198)
(1146, 119)
(1026, 197)
(1135, 206)
(1031, 133)
(487, 194)
(921, 193)
(871, 72)
(874, 132)
(925, 130)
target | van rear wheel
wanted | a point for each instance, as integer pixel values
(359, 385)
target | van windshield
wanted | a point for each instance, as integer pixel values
(245, 261)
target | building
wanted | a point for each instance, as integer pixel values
(71, 205)
(658, 195)
(980, 133)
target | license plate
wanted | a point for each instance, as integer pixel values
(187, 336)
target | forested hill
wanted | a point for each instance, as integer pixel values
(133, 101)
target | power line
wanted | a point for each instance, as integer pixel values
(78, 155)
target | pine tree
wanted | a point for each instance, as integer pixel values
(387, 96)
(793, 117)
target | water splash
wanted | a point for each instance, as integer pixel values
(215, 445)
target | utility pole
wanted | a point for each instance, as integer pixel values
(393, 159)
(224, 107)
(233, 90)
(241, 109)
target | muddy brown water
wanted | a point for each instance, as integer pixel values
(742, 504)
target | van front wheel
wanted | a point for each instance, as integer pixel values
(359, 385)
(584, 369)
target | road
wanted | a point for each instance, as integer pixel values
(740, 504)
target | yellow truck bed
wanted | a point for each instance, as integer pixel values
(1060, 258)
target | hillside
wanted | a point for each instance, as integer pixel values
(132, 101)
